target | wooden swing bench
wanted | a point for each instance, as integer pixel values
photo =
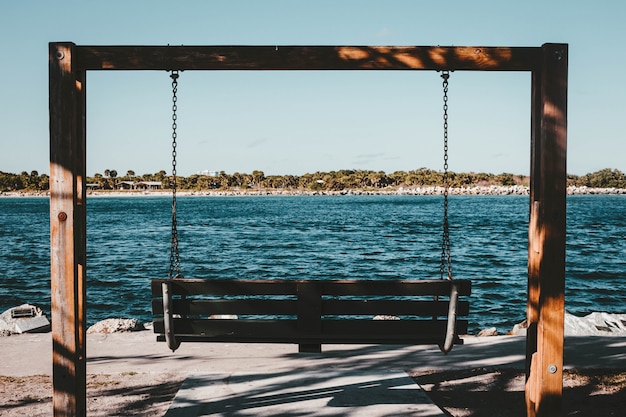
(310, 312)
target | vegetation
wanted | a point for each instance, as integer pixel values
(605, 178)
(318, 181)
(24, 181)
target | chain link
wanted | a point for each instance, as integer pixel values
(175, 271)
(446, 259)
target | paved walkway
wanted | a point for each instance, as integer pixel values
(271, 379)
(30, 354)
(311, 393)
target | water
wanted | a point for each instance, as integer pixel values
(373, 237)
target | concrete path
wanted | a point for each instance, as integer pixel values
(31, 354)
(274, 379)
(311, 393)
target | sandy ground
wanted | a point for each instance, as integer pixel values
(125, 394)
(131, 376)
(461, 393)
(486, 392)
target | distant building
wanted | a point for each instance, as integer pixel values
(148, 185)
(209, 173)
(125, 185)
(141, 185)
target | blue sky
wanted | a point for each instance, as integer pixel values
(297, 122)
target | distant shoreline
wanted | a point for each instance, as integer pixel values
(430, 190)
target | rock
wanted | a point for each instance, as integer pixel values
(594, 324)
(116, 326)
(35, 324)
(519, 329)
(23, 319)
(385, 317)
(492, 331)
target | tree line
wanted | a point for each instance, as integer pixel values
(318, 181)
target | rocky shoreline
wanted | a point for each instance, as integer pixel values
(430, 190)
(15, 321)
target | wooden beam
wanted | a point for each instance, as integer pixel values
(67, 230)
(309, 58)
(546, 269)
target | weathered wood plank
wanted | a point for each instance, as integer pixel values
(392, 288)
(391, 330)
(340, 307)
(332, 331)
(289, 287)
(248, 306)
(67, 231)
(482, 58)
(227, 287)
(273, 307)
(234, 329)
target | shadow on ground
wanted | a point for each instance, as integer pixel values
(485, 392)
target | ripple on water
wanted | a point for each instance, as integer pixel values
(374, 237)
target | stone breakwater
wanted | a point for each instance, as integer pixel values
(15, 321)
(428, 190)
(594, 324)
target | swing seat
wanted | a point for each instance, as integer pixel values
(310, 312)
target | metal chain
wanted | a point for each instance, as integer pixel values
(446, 259)
(175, 271)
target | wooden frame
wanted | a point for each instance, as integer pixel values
(69, 63)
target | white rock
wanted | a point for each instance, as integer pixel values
(519, 329)
(25, 318)
(116, 326)
(492, 331)
(386, 317)
(32, 324)
(594, 324)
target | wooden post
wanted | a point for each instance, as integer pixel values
(546, 252)
(309, 314)
(67, 230)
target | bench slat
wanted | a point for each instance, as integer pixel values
(333, 331)
(273, 307)
(327, 287)
(262, 307)
(391, 307)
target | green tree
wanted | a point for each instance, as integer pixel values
(98, 179)
(224, 180)
(10, 182)
(505, 179)
(257, 178)
(43, 183)
(606, 178)
(159, 176)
